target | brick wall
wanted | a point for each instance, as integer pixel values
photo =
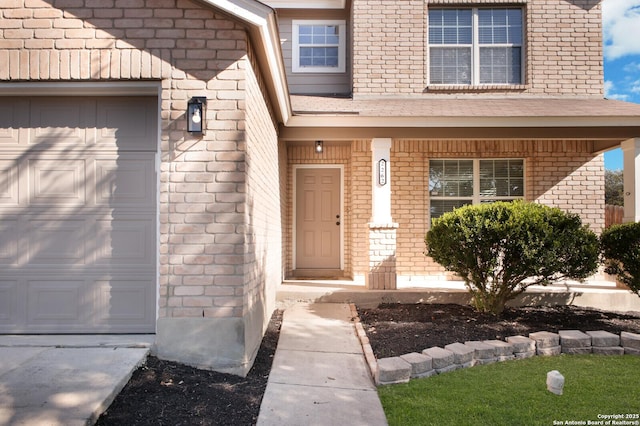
(219, 222)
(562, 174)
(262, 227)
(193, 52)
(563, 47)
(388, 47)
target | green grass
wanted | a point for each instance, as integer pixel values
(515, 393)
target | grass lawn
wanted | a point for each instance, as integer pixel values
(515, 393)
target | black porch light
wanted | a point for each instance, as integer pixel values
(195, 114)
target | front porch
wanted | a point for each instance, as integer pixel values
(604, 295)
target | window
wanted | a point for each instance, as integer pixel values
(318, 46)
(475, 46)
(455, 183)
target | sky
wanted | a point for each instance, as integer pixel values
(621, 28)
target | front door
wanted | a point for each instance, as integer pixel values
(318, 218)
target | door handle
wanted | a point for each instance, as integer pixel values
(337, 223)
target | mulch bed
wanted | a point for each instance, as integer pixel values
(167, 393)
(397, 329)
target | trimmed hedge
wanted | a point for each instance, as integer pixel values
(620, 246)
(500, 249)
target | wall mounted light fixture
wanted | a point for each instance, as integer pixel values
(319, 147)
(196, 114)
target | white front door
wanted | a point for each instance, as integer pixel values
(318, 218)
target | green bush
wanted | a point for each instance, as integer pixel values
(500, 249)
(620, 245)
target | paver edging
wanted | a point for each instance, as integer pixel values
(372, 362)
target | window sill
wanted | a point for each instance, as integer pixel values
(482, 88)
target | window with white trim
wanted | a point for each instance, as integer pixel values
(318, 46)
(456, 183)
(475, 46)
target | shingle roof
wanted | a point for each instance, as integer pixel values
(460, 107)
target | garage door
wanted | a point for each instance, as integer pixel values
(77, 215)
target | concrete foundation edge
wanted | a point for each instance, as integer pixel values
(208, 343)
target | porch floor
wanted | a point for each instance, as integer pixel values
(594, 294)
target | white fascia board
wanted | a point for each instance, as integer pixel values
(262, 19)
(330, 120)
(306, 4)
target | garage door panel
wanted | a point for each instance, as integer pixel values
(54, 241)
(55, 301)
(9, 240)
(130, 125)
(9, 302)
(121, 301)
(125, 241)
(78, 214)
(126, 182)
(61, 122)
(13, 122)
(9, 188)
(59, 182)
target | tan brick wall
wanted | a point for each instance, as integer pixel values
(262, 228)
(204, 267)
(361, 205)
(562, 174)
(388, 47)
(382, 258)
(563, 50)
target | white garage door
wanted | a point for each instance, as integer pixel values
(77, 214)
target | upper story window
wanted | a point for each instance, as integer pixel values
(475, 46)
(319, 46)
(456, 183)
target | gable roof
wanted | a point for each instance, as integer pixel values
(606, 122)
(262, 26)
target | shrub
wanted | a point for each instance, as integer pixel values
(500, 249)
(620, 245)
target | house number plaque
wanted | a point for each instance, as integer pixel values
(382, 172)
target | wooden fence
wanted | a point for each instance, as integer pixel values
(612, 215)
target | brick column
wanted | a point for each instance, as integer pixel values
(382, 256)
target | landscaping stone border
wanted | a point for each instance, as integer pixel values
(454, 356)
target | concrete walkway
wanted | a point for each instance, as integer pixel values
(319, 374)
(64, 380)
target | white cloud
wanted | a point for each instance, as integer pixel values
(609, 92)
(609, 86)
(631, 67)
(621, 28)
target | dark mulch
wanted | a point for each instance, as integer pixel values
(397, 329)
(167, 393)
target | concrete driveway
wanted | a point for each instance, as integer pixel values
(65, 380)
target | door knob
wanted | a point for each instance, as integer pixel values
(337, 223)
